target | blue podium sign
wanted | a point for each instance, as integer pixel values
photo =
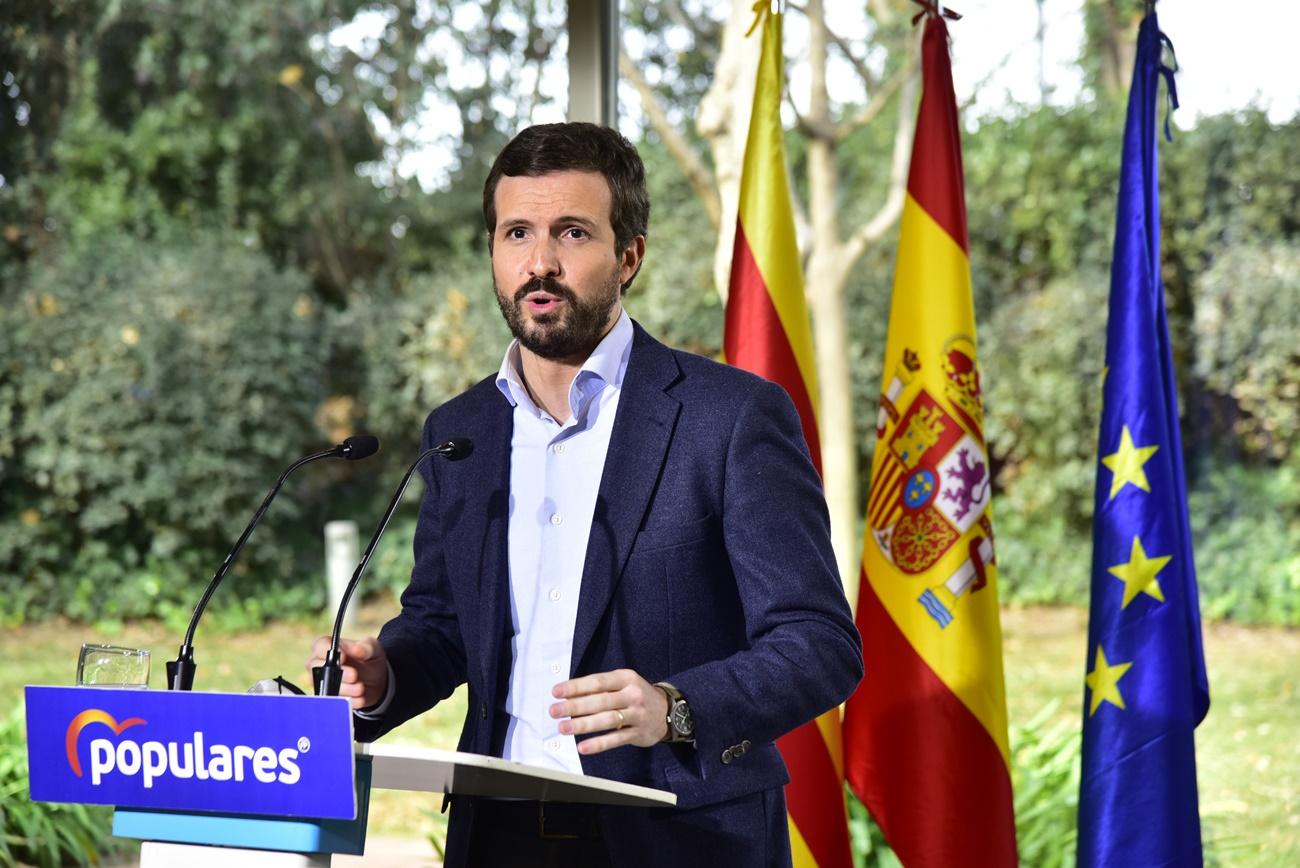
(288, 756)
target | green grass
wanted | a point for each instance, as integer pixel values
(1248, 748)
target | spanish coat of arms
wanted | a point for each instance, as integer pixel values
(931, 488)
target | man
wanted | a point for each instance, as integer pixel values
(633, 569)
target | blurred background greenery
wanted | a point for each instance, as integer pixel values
(220, 249)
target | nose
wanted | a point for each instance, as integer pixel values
(543, 260)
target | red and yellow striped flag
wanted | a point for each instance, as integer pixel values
(767, 332)
(926, 732)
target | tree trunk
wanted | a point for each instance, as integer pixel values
(824, 280)
(723, 121)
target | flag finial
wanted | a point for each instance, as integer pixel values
(934, 9)
(762, 8)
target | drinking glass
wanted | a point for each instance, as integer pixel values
(112, 666)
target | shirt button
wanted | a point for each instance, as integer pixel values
(553, 744)
(559, 448)
(554, 595)
(555, 669)
(556, 519)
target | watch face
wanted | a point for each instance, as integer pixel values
(681, 719)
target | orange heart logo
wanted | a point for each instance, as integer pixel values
(87, 717)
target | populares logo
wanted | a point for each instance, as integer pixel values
(153, 760)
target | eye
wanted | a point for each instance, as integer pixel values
(576, 232)
(515, 232)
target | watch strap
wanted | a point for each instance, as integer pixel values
(675, 699)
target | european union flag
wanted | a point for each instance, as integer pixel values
(1146, 688)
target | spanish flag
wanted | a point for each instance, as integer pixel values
(926, 731)
(767, 332)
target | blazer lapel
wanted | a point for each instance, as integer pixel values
(638, 444)
(480, 548)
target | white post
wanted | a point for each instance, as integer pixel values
(342, 550)
(593, 61)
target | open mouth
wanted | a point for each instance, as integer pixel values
(542, 302)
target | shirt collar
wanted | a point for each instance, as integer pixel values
(606, 365)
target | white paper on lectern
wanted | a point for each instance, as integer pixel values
(429, 770)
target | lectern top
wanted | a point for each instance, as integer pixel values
(405, 767)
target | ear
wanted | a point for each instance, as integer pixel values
(633, 255)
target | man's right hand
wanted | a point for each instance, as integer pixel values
(365, 668)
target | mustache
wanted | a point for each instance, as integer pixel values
(548, 285)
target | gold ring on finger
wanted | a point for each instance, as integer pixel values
(621, 720)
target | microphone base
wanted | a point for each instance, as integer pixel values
(327, 679)
(180, 674)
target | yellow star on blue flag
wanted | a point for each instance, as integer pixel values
(1125, 464)
(1103, 682)
(1140, 574)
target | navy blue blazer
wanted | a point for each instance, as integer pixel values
(709, 565)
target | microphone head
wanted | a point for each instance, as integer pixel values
(456, 448)
(358, 447)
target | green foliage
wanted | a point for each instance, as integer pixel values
(40, 833)
(416, 347)
(1045, 759)
(1246, 537)
(1045, 779)
(1040, 192)
(1246, 323)
(870, 849)
(1042, 407)
(149, 393)
(673, 296)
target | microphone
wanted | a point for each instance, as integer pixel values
(180, 672)
(329, 677)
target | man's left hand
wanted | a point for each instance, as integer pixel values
(621, 704)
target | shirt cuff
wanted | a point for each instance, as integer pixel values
(375, 712)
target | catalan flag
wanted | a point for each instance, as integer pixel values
(925, 735)
(767, 332)
(1145, 686)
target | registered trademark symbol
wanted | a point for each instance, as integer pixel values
(304, 744)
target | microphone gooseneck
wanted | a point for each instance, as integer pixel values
(180, 672)
(329, 677)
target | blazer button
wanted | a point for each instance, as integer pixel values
(746, 745)
(727, 756)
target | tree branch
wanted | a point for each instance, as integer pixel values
(704, 42)
(878, 101)
(872, 230)
(697, 174)
(859, 65)
(988, 76)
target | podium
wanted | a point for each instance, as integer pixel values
(279, 778)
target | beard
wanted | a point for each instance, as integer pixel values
(571, 331)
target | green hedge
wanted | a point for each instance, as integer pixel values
(149, 393)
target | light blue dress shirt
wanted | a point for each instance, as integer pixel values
(555, 472)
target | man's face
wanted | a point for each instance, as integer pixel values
(554, 266)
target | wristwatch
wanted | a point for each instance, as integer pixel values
(681, 726)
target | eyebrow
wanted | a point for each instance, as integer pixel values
(563, 220)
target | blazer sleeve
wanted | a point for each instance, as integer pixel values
(423, 642)
(804, 655)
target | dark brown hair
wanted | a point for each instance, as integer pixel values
(577, 147)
